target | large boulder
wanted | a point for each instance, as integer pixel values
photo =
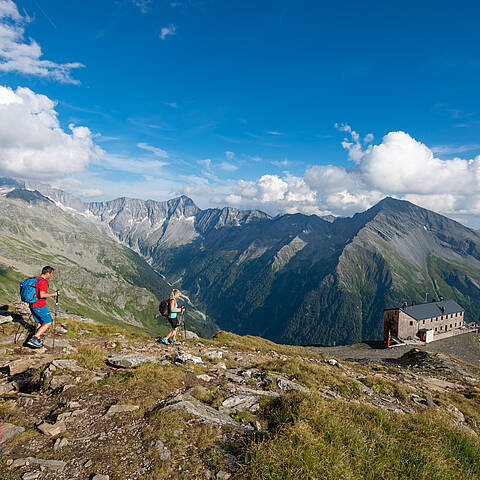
(129, 360)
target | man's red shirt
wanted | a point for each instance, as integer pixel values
(41, 286)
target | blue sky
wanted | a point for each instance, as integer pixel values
(248, 103)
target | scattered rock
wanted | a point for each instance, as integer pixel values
(257, 426)
(242, 401)
(55, 429)
(21, 365)
(87, 464)
(204, 412)
(219, 366)
(189, 335)
(164, 452)
(223, 475)
(213, 354)
(59, 380)
(67, 364)
(73, 405)
(30, 475)
(7, 388)
(456, 412)
(57, 465)
(250, 372)
(204, 377)
(129, 360)
(5, 319)
(182, 357)
(284, 384)
(60, 443)
(25, 401)
(8, 430)
(121, 409)
(333, 362)
(101, 477)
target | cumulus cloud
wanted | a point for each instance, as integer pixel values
(18, 55)
(32, 143)
(165, 31)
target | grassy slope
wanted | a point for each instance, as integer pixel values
(303, 437)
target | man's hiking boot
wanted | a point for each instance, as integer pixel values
(34, 342)
(165, 341)
(173, 342)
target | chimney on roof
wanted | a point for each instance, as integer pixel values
(434, 300)
(413, 303)
(441, 299)
(404, 306)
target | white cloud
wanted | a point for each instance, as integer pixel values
(280, 163)
(155, 150)
(17, 55)
(230, 155)
(170, 30)
(273, 132)
(32, 143)
(207, 163)
(171, 104)
(227, 166)
(271, 188)
(125, 164)
(402, 165)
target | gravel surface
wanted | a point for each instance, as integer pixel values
(466, 347)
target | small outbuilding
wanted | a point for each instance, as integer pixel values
(423, 321)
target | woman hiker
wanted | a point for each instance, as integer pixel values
(173, 310)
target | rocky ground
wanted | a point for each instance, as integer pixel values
(115, 404)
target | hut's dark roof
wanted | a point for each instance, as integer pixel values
(432, 309)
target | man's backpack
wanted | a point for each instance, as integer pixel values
(164, 307)
(27, 290)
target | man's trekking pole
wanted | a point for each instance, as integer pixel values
(55, 321)
(183, 323)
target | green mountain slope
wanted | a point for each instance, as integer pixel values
(98, 277)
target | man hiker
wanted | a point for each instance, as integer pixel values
(39, 310)
(173, 310)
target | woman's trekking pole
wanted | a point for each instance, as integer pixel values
(55, 320)
(183, 323)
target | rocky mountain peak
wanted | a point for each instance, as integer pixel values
(29, 196)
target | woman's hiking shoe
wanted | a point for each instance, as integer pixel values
(173, 342)
(34, 342)
(165, 341)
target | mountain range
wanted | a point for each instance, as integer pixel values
(292, 278)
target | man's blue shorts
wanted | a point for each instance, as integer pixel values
(42, 315)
